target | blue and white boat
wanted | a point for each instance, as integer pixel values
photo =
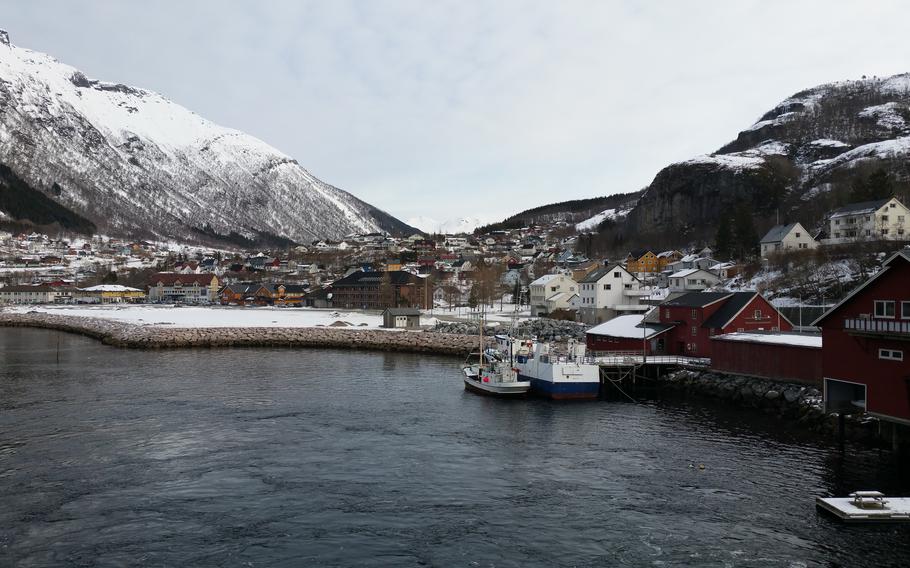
(568, 375)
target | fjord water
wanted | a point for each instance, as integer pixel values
(278, 457)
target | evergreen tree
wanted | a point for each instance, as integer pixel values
(878, 185)
(745, 233)
(723, 240)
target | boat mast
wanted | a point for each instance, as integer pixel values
(481, 339)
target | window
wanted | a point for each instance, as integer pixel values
(905, 310)
(695, 314)
(797, 235)
(607, 286)
(900, 218)
(694, 331)
(884, 218)
(892, 205)
(884, 308)
(667, 314)
(891, 354)
(757, 314)
(884, 231)
(617, 275)
(837, 221)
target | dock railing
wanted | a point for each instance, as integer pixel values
(629, 358)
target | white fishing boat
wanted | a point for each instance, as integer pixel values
(568, 375)
(494, 373)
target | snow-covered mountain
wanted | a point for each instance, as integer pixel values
(464, 225)
(816, 150)
(134, 163)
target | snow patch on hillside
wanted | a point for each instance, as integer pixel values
(736, 162)
(592, 223)
(886, 116)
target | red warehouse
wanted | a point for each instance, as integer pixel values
(866, 354)
(698, 316)
(627, 333)
(776, 356)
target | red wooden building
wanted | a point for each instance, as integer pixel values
(698, 316)
(866, 355)
(627, 334)
(777, 356)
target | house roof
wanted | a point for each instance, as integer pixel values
(544, 279)
(638, 253)
(777, 233)
(698, 299)
(629, 327)
(110, 288)
(859, 208)
(171, 278)
(402, 311)
(734, 304)
(903, 254)
(596, 275)
(689, 272)
(361, 278)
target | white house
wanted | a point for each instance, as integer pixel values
(692, 280)
(607, 292)
(884, 219)
(552, 292)
(784, 238)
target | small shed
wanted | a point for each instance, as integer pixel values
(401, 318)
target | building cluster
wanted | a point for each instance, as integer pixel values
(880, 220)
(861, 357)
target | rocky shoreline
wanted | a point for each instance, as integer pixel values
(120, 334)
(793, 402)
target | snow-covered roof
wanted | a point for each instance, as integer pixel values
(688, 272)
(627, 327)
(110, 288)
(544, 279)
(797, 340)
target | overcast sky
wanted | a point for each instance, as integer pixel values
(469, 108)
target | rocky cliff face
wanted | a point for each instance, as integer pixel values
(134, 163)
(800, 159)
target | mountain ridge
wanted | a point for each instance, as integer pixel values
(135, 163)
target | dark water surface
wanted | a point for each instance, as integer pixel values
(266, 457)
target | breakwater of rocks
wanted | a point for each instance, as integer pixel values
(121, 334)
(800, 403)
(544, 329)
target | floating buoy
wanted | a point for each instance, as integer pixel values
(701, 466)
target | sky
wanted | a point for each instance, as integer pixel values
(449, 109)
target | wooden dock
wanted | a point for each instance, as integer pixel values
(866, 507)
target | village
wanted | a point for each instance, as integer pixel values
(701, 311)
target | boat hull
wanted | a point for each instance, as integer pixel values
(563, 390)
(513, 390)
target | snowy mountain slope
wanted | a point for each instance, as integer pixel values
(134, 162)
(448, 227)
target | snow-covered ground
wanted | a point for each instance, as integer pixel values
(191, 316)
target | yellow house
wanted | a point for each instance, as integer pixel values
(667, 257)
(642, 261)
(109, 294)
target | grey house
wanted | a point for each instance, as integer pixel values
(401, 318)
